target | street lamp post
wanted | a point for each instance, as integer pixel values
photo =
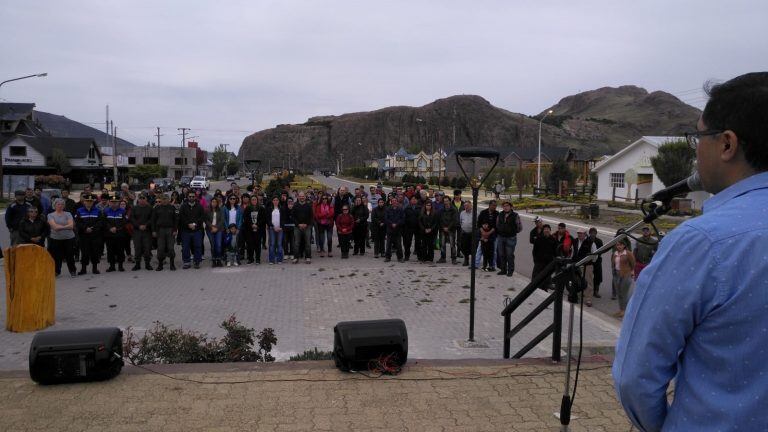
(476, 183)
(538, 164)
(40, 75)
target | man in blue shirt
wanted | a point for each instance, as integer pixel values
(699, 314)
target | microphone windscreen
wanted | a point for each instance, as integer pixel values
(694, 182)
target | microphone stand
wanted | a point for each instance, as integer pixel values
(569, 277)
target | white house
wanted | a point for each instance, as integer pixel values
(611, 172)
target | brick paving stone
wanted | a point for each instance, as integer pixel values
(303, 302)
(452, 396)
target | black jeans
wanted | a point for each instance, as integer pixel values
(379, 237)
(428, 246)
(62, 250)
(253, 244)
(115, 250)
(344, 240)
(359, 235)
(409, 234)
(90, 249)
(394, 238)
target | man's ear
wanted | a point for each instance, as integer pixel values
(729, 145)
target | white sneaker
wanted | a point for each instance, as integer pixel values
(229, 264)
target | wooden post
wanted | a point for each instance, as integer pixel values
(30, 295)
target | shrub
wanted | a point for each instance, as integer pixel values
(163, 344)
(361, 172)
(444, 182)
(313, 354)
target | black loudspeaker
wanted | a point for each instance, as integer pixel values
(67, 356)
(355, 343)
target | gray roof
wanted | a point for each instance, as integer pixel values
(72, 147)
(15, 111)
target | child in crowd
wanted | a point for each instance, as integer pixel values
(486, 246)
(230, 244)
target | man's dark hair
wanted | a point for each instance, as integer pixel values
(741, 105)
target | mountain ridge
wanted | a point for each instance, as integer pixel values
(594, 122)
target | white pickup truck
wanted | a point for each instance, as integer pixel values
(199, 182)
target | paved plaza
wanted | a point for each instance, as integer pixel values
(303, 302)
(313, 396)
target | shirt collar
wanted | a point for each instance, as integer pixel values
(757, 181)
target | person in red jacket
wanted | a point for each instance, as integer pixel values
(345, 224)
(324, 214)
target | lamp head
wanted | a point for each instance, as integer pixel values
(42, 74)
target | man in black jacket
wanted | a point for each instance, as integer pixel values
(489, 216)
(597, 266)
(394, 218)
(302, 216)
(14, 214)
(141, 219)
(583, 247)
(507, 226)
(191, 223)
(544, 252)
(89, 222)
(165, 222)
(378, 228)
(449, 223)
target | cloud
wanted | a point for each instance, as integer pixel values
(226, 67)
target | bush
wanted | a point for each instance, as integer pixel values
(163, 344)
(52, 180)
(433, 180)
(444, 182)
(361, 172)
(313, 354)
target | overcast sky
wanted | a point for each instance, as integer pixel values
(229, 68)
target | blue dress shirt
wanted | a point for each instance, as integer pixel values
(699, 315)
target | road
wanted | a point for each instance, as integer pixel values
(523, 252)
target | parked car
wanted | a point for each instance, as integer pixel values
(163, 184)
(184, 181)
(199, 182)
(230, 178)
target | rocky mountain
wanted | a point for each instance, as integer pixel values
(60, 126)
(595, 122)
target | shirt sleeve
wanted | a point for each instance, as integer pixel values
(672, 296)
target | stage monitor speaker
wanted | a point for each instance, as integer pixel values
(355, 343)
(66, 356)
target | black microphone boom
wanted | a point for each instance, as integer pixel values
(691, 184)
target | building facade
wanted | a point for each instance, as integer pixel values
(635, 161)
(181, 161)
(421, 164)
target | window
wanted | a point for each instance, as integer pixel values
(131, 160)
(178, 161)
(18, 151)
(617, 180)
(92, 153)
(151, 161)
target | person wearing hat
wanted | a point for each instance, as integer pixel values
(645, 248)
(141, 219)
(115, 234)
(14, 214)
(537, 229)
(89, 222)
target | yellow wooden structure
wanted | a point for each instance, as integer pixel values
(30, 288)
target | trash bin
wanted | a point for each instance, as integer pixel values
(594, 210)
(30, 294)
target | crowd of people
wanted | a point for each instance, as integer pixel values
(626, 265)
(239, 226)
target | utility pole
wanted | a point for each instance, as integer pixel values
(114, 151)
(183, 136)
(158, 138)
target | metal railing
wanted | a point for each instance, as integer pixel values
(554, 329)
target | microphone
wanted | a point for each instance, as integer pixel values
(691, 184)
